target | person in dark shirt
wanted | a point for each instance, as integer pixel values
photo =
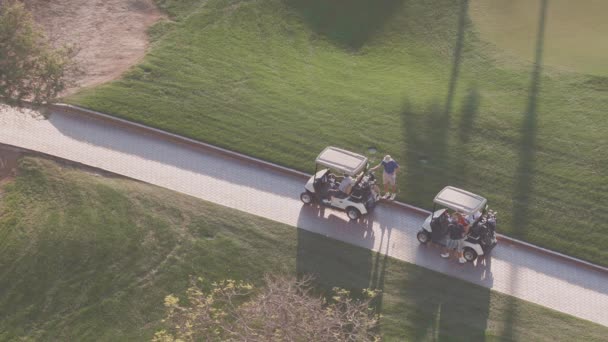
(389, 176)
(457, 231)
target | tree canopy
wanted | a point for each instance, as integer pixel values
(30, 68)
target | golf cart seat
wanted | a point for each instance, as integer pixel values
(356, 196)
(439, 227)
(340, 195)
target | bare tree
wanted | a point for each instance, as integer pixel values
(284, 310)
(30, 68)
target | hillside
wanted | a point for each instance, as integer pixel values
(282, 79)
(87, 256)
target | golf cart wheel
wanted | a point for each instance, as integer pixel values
(353, 213)
(306, 197)
(469, 254)
(423, 237)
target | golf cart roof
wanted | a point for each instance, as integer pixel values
(341, 160)
(460, 200)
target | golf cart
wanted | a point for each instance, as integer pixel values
(481, 237)
(320, 187)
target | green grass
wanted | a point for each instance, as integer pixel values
(281, 80)
(90, 258)
(575, 31)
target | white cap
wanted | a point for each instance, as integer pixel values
(387, 158)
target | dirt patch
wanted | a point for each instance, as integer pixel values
(8, 163)
(110, 34)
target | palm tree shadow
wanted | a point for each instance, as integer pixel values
(527, 154)
(426, 151)
(457, 59)
(347, 23)
(469, 111)
(448, 309)
(466, 126)
(380, 266)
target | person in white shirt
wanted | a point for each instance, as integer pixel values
(346, 184)
(345, 187)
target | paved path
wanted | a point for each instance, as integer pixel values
(202, 173)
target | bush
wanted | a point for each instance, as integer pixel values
(284, 310)
(30, 68)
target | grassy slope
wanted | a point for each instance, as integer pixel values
(281, 80)
(84, 257)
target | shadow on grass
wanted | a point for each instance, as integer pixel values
(527, 155)
(426, 152)
(347, 23)
(334, 263)
(426, 134)
(429, 164)
(466, 126)
(527, 145)
(469, 111)
(447, 309)
(457, 59)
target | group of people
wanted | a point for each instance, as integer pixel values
(389, 179)
(457, 232)
(459, 224)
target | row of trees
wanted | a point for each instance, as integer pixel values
(30, 67)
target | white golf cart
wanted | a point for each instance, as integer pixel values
(481, 237)
(364, 194)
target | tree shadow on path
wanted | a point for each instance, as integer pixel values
(526, 168)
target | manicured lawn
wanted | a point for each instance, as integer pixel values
(85, 257)
(280, 80)
(575, 31)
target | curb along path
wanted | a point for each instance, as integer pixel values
(272, 191)
(266, 164)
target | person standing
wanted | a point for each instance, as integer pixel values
(457, 231)
(389, 176)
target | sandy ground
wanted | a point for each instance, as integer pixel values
(110, 34)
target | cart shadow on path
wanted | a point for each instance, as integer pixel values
(357, 268)
(335, 263)
(440, 312)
